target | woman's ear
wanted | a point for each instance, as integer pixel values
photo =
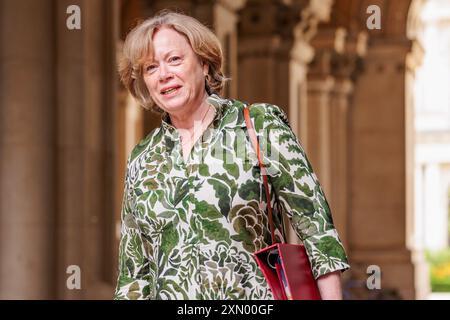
(205, 67)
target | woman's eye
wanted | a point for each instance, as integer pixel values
(150, 68)
(174, 59)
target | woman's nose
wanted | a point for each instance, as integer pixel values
(164, 72)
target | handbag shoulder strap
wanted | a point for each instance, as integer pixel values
(256, 147)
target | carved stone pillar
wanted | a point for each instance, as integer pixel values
(339, 184)
(302, 54)
(86, 141)
(321, 84)
(265, 42)
(57, 149)
(330, 87)
(345, 68)
(27, 150)
(413, 225)
(378, 171)
(226, 19)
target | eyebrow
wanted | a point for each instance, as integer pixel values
(168, 53)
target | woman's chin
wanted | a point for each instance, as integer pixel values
(173, 108)
(174, 105)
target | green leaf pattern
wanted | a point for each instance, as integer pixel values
(189, 229)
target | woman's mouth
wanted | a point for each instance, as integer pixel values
(170, 91)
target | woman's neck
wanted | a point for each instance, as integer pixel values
(191, 118)
(192, 125)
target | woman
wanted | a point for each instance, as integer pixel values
(193, 208)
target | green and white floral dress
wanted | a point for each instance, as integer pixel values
(189, 229)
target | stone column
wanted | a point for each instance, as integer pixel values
(313, 116)
(225, 13)
(339, 184)
(318, 143)
(421, 269)
(87, 83)
(265, 42)
(27, 150)
(378, 205)
(321, 85)
(302, 54)
(345, 68)
(330, 86)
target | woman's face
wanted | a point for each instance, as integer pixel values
(174, 76)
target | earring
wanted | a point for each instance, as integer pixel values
(134, 72)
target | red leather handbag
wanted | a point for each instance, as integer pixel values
(285, 266)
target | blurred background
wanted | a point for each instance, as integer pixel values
(365, 84)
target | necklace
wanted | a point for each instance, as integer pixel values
(191, 134)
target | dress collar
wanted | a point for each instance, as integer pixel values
(214, 100)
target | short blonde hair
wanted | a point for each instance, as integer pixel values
(139, 45)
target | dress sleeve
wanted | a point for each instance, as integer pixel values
(133, 279)
(299, 192)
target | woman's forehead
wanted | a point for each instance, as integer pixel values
(166, 41)
(168, 38)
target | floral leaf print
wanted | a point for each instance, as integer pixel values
(178, 188)
(133, 291)
(130, 265)
(153, 199)
(170, 288)
(250, 190)
(301, 204)
(330, 245)
(169, 238)
(249, 221)
(167, 214)
(284, 181)
(204, 170)
(214, 230)
(134, 249)
(304, 226)
(258, 113)
(140, 147)
(207, 211)
(232, 169)
(152, 184)
(129, 221)
(305, 189)
(224, 191)
(190, 228)
(182, 214)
